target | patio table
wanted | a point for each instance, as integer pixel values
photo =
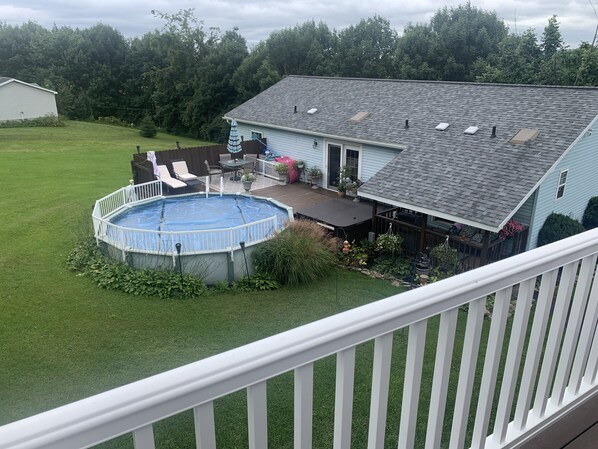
(236, 164)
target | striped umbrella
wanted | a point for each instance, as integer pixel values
(234, 143)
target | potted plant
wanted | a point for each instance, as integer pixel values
(314, 174)
(352, 185)
(341, 187)
(283, 172)
(247, 179)
(299, 164)
(347, 180)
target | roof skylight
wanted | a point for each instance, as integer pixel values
(442, 126)
(360, 116)
(471, 130)
(525, 135)
(312, 111)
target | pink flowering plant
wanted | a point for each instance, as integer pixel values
(510, 229)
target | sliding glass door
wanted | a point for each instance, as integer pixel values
(338, 155)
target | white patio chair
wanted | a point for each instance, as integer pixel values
(171, 183)
(181, 171)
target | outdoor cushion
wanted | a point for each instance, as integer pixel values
(182, 172)
(169, 180)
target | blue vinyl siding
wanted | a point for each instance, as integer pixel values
(301, 146)
(582, 184)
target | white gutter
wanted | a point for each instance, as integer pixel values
(319, 134)
(423, 210)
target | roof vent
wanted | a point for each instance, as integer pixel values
(359, 117)
(312, 111)
(471, 130)
(525, 136)
(442, 126)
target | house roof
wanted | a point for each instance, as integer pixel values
(4, 80)
(475, 179)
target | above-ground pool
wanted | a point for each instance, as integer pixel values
(201, 233)
(223, 222)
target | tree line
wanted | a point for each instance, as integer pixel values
(185, 77)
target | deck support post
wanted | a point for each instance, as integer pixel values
(484, 253)
(422, 236)
(374, 214)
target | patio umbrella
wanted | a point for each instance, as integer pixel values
(234, 143)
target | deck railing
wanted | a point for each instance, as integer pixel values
(534, 366)
(163, 242)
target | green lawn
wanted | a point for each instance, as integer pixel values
(62, 339)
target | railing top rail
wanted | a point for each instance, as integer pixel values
(118, 411)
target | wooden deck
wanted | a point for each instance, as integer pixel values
(346, 217)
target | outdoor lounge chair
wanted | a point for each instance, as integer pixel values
(181, 171)
(213, 170)
(171, 183)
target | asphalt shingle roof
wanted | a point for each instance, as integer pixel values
(474, 177)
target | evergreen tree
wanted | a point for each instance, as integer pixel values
(147, 128)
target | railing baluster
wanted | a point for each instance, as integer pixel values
(257, 416)
(442, 370)
(343, 403)
(592, 366)
(205, 432)
(585, 338)
(502, 301)
(557, 325)
(380, 384)
(513, 361)
(534, 348)
(469, 358)
(580, 300)
(411, 388)
(143, 438)
(304, 401)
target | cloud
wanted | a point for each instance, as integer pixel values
(257, 19)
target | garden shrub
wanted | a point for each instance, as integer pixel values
(590, 215)
(147, 128)
(399, 268)
(48, 120)
(358, 255)
(445, 261)
(390, 244)
(111, 120)
(557, 227)
(301, 253)
(257, 282)
(88, 260)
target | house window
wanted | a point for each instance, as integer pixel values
(560, 191)
(256, 135)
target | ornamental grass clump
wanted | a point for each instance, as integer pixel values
(301, 253)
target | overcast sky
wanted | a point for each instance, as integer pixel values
(256, 19)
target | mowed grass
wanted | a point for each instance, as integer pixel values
(62, 339)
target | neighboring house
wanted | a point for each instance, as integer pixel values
(542, 156)
(20, 100)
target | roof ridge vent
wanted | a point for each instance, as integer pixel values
(525, 136)
(359, 117)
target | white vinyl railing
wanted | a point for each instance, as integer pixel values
(549, 353)
(163, 242)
